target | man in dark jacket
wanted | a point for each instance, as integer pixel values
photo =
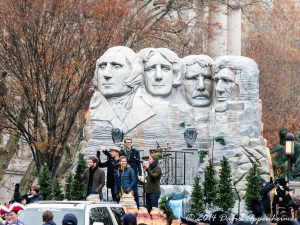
(48, 218)
(265, 194)
(152, 187)
(112, 163)
(94, 178)
(134, 160)
(35, 196)
(125, 178)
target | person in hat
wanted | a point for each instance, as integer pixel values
(286, 203)
(129, 219)
(113, 159)
(152, 187)
(69, 219)
(13, 219)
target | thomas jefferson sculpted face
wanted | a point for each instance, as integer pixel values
(162, 71)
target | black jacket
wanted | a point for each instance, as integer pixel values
(134, 160)
(264, 192)
(111, 165)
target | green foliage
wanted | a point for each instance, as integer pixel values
(282, 132)
(202, 153)
(253, 187)
(182, 124)
(210, 183)
(220, 140)
(77, 189)
(45, 182)
(56, 193)
(68, 186)
(164, 205)
(225, 196)
(197, 198)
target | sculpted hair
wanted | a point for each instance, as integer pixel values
(146, 53)
(94, 159)
(135, 77)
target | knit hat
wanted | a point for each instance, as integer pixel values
(129, 218)
(156, 156)
(69, 219)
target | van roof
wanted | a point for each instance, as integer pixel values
(70, 204)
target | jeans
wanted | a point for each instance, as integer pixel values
(152, 200)
(136, 195)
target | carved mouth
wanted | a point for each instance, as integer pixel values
(158, 85)
(222, 99)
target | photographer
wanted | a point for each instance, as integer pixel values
(265, 194)
(113, 158)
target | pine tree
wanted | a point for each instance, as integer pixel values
(68, 186)
(210, 184)
(77, 189)
(197, 198)
(225, 195)
(45, 182)
(253, 187)
(164, 205)
(56, 193)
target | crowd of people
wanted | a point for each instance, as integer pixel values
(124, 171)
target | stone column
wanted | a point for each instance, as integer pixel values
(226, 39)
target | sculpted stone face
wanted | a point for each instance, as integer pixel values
(112, 72)
(224, 80)
(198, 85)
(158, 75)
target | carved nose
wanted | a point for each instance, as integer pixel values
(158, 75)
(219, 87)
(200, 84)
(107, 73)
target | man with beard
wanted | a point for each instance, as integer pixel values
(94, 178)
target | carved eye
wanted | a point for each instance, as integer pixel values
(217, 80)
(149, 69)
(226, 80)
(165, 68)
(102, 66)
(117, 67)
(206, 77)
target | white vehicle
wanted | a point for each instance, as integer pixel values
(87, 213)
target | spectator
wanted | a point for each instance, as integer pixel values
(125, 178)
(69, 219)
(152, 187)
(218, 218)
(14, 219)
(265, 194)
(94, 178)
(258, 211)
(134, 160)
(112, 163)
(129, 219)
(48, 218)
(35, 196)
